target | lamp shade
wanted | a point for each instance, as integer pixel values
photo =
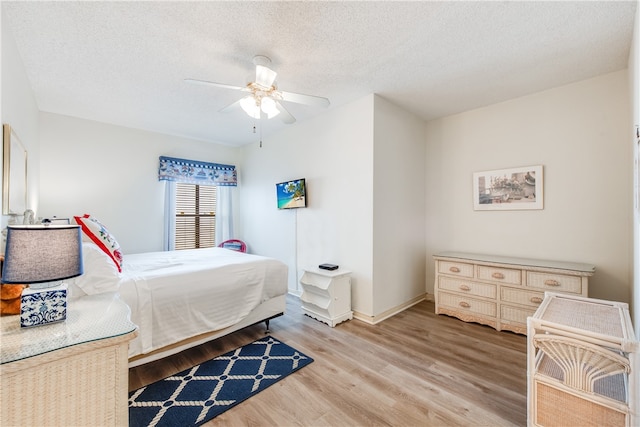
(250, 106)
(38, 254)
(269, 107)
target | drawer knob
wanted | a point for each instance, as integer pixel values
(454, 269)
(464, 304)
(536, 300)
(465, 288)
(551, 282)
(497, 275)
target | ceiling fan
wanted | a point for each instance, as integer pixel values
(263, 96)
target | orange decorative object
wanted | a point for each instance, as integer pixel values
(10, 298)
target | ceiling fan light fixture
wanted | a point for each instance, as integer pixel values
(250, 106)
(269, 107)
(263, 96)
(265, 76)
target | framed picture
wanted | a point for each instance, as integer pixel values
(508, 189)
(14, 177)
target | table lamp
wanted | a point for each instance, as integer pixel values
(42, 256)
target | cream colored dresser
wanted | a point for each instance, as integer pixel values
(72, 373)
(502, 291)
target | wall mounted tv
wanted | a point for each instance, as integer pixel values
(292, 194)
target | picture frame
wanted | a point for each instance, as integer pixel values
(292, 194)
(509, 189)
(14, 178)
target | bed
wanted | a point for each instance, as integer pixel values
(180, 299)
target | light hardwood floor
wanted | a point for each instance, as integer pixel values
(414, 369)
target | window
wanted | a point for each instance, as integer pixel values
(195, 216)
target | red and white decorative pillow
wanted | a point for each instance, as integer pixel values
(94, 231)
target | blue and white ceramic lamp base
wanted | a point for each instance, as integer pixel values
(43, 306)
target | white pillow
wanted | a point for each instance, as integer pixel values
(100, 273)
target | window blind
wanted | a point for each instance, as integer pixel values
(195, 216)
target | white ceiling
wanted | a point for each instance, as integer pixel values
(124, 62)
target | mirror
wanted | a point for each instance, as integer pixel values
(14, 176)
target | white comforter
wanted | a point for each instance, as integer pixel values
(181, 294)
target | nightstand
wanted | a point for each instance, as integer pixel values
(582, 363)
(326, 295)
(69, 373)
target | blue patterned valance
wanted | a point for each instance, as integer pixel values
(195, 172)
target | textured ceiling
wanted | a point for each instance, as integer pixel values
(124, 62)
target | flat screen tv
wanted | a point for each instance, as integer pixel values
(292, 194)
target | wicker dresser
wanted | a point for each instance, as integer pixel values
(501, 291)
(582, 364)
(72, 373)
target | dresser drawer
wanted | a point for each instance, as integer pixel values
(554, 282)
(455, 268)
(503, 275)
(515, 314)
(521, 296)
(465, 304)
(467, 287)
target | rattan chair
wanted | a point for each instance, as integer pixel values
(582, 364)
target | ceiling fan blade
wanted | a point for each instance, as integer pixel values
(265, 76)
(298, 98)
(234, 106)
(222, 85)
(284, 115)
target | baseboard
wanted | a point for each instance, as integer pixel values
(295, 293)
(372, 320)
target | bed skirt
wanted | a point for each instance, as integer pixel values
(271, 308)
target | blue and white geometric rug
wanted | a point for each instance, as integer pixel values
(196, 395)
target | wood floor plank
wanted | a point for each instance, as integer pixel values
(413, 369)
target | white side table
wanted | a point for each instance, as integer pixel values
(326, 295)
(69, 373)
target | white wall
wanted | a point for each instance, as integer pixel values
(579, 132)
(634, 83)
(364, 166)
(19, 109)
(111, 172)
(334, 153)
(399, 252)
